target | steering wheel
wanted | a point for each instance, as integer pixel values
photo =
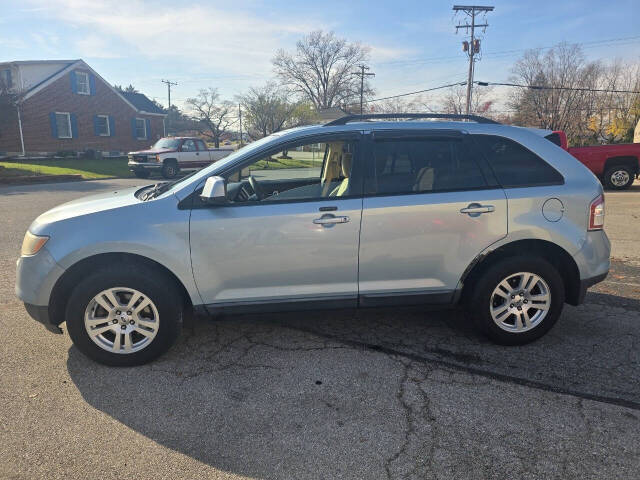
(257, 189)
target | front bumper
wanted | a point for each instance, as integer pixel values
(41, 315)
(137, 166)
(35, 277)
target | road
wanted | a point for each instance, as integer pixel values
(372, 394)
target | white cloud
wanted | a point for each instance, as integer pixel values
(95, 46)
(230, 39)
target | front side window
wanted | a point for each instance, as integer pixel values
(404, 166)
(302, 172)
(102, 125)
(189, 146)
(141, 129)
(82, 83)
(63, 125)
(515, 165)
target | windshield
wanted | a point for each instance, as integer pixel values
(167, 143)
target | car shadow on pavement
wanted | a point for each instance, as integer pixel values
(323, 394)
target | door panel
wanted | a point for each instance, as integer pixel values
(266, 253)
(432, 209)
(293, 237)
(421, 243)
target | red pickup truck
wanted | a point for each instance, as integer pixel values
(616, 165)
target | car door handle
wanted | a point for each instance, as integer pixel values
(475, 209)
(330, 219)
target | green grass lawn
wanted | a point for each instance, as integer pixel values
(99, 168)
(279, 163)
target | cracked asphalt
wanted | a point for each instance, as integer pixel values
(339, 394)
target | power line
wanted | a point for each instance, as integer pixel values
(416, 92)
(545, 87)
(473, 46)
(362, 73)
(603, 42)
(169, 84)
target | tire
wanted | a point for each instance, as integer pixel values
(170, 169)
(619, 177)
(154, 329)
(484, 297)
(142, 173)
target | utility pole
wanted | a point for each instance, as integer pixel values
(362, 73)
(473, 46)
(240, 117)
(169, 83)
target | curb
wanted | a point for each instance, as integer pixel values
(29, 179)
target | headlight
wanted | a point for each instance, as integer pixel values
(32, 244)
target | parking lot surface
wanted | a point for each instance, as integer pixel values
(336, 394)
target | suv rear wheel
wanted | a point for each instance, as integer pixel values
(618, 177)
(517, 300)
(124, 315)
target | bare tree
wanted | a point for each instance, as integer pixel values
(213, 116)
(455, 100)
(268, 110)
(321, 69)
(563, 106)
(10, 98)
(399, 105)
(615, 114)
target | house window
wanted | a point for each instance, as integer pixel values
(82, 83)
(102, 125)
(63, 125)
(141, 129)
(5, 78)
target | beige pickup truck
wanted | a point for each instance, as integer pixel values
(169, 155)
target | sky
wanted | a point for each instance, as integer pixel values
(229, 44)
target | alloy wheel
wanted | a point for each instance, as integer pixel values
(520, 302)
(121, 320)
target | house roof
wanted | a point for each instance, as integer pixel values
(331, 113)
(141, 102)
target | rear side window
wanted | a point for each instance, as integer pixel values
(514, 165)
(424, 165)
(554, 138)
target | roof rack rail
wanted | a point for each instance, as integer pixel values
(353, 118)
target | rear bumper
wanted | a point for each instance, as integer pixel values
(41, 315)
(587, 283)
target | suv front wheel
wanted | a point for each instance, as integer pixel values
(517, 300)
(124, 315)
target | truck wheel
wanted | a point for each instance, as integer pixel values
(619, 177)
(170, 169)
(142, 173)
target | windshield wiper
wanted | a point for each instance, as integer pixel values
(153, 191)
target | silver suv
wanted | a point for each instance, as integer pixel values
(354, 213)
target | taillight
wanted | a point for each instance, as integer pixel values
(596, 213)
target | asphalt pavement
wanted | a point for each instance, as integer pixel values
(338, 394)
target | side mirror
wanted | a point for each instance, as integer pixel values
(214, 191)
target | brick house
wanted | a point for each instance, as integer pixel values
(67, 106)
